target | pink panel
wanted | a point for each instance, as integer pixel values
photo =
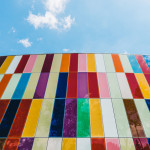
(30, 64)
(112, 144)
(103, 85)
(142, 64)
(82, 63)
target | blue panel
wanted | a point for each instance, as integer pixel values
(9, 117)
(21, 86)
(147, 59)
(148, 141)
(62, 85)
(57, 118)
(135, 65)
(148, 103)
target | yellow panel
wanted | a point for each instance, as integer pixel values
(96, 118)
(39, 63)
(30, 89)
(6, 64)
(69, 144)
(91, 62)
(143, 85)
(32, 120)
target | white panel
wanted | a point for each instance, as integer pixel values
(124, 86)
(110, 129)
(12, 67)
(54, 144)
(83, 144)
(100, 66)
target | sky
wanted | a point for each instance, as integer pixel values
(72, 26)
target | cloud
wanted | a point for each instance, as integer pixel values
(39, 39)
(51, 18)
(65, 50)
(25, 42)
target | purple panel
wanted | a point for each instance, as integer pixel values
(26, 144)
(82, 85)
(70, 122)
(41, 86)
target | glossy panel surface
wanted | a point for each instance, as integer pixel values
(54, 144)
(26, 143)
(98, 144)
(141, 143)
(40, 144)
(112, 144)
(91, 63)
(73, 63)
(65, 63)
(83, 144)
(127, 144)
(11, 144)
(100, 65)
(69, 144)
(82, 63)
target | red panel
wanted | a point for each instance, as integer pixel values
(72, 85)
(20, 119)
(22, 64)
(98, 144)
(147, 76)
(11, 144)
(135, 89)
(93, 85)
(73, 63)
(3, 107)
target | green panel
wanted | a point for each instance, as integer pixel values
(127, 144)
(1, 76)
(40, 144)
(83, 118)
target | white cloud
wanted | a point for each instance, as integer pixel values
(51, 18)
(39, 39)
(13, 29)
(25, 42)
(65, 50)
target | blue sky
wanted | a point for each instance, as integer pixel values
(56, 26)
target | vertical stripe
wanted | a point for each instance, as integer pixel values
(126, 64)
(93, 85)
(112, 144)
(143, 85)
(83, 118)
(83, 144)
(82, 85)
(20, 119)
(124, 86)
(121, 118)
(39, 63)
(109, 124)
(62, 85)
(22, 64)
(148, 139)
(98, 144)
(96, 118)
(108, 63)
(72, 85)
(65, 63)
(2, 142)
(113, 85)
(103, 85)
(11, 144)
(127, 144)
(57, 118)
(32, 120)
(147, 59)
(91, 62)
(100, 66)
(69, 144)
(45, 118)
(56, 63)
(12, 67)
(82, 63)
(73, 63)
(3, 107)
(41, 86)
(147, 76)
(51, 85)
(2, 59)
(30, 64)
(6, 64)
(11, 86)
(8, 118)
(135, 66)
(54, 144)
(141, 143)
(135, 89)
(117, 63)
(31, 86)
(21, 86)
(26, 143)
(133, 118)
(3, 84)
(40, 144)
(70, 119)
(47, 63)
(142, 64)
(144, 115)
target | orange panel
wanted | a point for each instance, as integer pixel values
(117, 63)
(65, 63)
